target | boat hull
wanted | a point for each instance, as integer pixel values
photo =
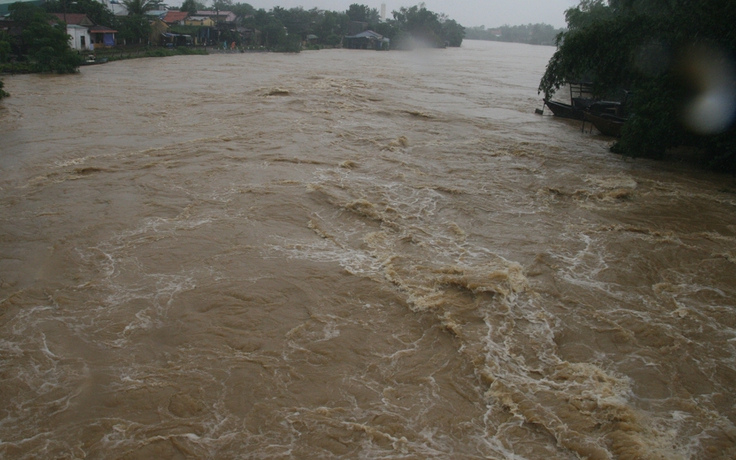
(608, 125)
(563, 110)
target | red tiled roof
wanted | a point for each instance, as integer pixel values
(175, 16)
(74, 18)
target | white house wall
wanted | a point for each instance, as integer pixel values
(76, 33)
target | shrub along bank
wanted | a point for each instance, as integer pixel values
(677, 59)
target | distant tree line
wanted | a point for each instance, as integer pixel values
(327, 28)
(532, 34)
(281, 29)
(676, 58)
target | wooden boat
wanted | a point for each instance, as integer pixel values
(560, 109)
(579, 108)
(608, 125)
(582, 101)
(580, 98)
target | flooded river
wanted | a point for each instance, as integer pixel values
(352, 254)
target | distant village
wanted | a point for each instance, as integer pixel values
(172, 27)
(95, 25)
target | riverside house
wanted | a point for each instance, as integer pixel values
(366, 40)
(77, 27)
(85, 34)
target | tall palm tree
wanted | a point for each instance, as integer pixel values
(138, 7)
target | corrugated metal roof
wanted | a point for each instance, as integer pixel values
(368, 34)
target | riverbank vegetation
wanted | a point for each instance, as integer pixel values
(531, 34)
(676, 60)
(43, 46)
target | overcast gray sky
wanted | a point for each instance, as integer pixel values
(469, 13)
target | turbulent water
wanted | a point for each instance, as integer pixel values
(352, 254)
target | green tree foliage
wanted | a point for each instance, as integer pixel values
(191, 6)
(452, 32)
(5, 48)
(363, 13)
(133, 29)
(659, 50)
(242, 9)
(332, 40)
(43, 41)
(421, 24)
(358, 12)
(297, 21)
(374, 17)
(417, 24)
(138, 7)
(274, 33)
(284, 30)
(222, 5)
(96, 11)
(330, 26)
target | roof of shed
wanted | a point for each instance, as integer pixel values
(368, 34)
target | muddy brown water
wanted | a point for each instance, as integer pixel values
(346, 254)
